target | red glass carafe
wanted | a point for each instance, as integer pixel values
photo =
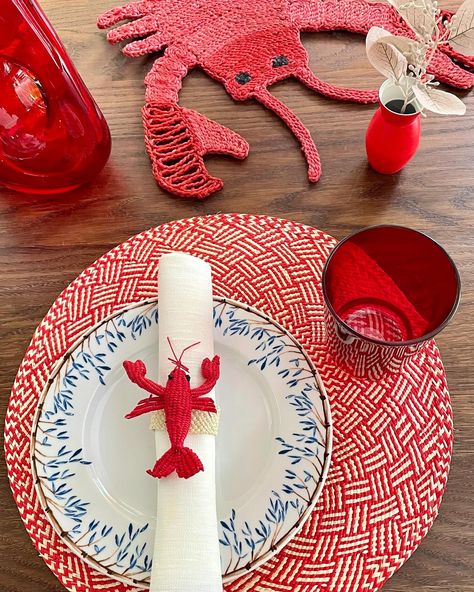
(53, 136)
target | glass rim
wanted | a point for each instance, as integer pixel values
(417, 340)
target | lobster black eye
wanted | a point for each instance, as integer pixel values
(280, 61)
(243, 77)
(188, 378)
(170, 377)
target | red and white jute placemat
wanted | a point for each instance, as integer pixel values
(392, 439)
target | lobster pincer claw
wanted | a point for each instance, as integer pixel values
(133, 369)
(211, 368)
(177, 139)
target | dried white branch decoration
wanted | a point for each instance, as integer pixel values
(439, 101)
(461, 36)
(405, 61)
(385, 57)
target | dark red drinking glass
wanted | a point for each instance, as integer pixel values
(52, 135)
(387, 290)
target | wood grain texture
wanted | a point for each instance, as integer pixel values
(46, 242)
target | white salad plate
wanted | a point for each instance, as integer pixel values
(273, 448)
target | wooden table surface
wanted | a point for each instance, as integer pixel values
(46, 242)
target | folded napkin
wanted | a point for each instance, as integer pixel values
(186, 553)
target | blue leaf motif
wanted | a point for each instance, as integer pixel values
(106, 531)
(250, 543)
(75, 454)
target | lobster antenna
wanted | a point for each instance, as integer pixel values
(177, 361)
(186, 349)
(172, 349)
(263, 96)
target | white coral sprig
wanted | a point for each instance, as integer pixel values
(406, 61)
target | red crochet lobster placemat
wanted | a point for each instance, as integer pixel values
(247, 46)
(392, 439)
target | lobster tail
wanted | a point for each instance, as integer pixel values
(183, 460)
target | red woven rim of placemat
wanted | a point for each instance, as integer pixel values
(392, 439)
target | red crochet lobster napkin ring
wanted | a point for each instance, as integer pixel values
(392, 438)
(177, 399)
(247, 46)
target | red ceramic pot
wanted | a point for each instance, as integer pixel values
(53, 137)
(392, 138)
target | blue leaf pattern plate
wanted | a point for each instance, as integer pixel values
(273, 447)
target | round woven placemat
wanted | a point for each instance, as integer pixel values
(392, 438)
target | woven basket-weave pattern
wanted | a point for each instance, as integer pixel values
(392, 439)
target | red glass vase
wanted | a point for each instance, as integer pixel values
(392, 138)
(53, 136)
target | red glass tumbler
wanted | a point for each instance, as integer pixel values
(388, 290)
(52, 135)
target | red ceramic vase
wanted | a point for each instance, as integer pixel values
(392, 138)
(53, 137)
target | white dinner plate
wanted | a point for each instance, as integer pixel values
(273, 447)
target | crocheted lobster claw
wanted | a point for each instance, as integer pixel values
(177, 139)
(211, 368)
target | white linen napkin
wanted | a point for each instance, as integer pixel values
(186, 553)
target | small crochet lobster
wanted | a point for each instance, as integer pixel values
(247, 45)
(178, 400)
